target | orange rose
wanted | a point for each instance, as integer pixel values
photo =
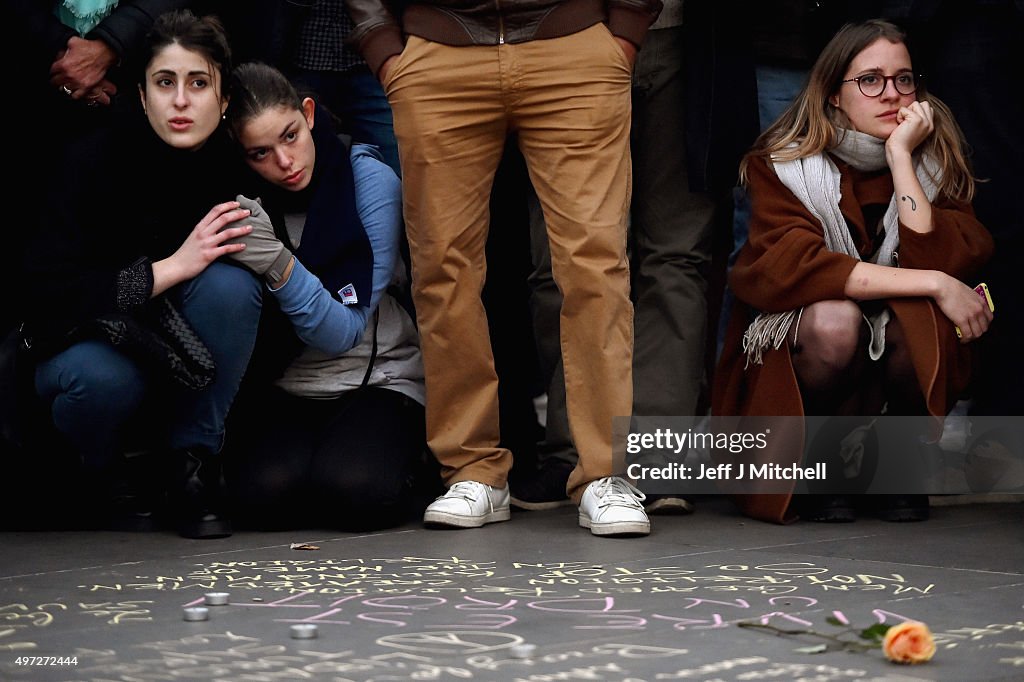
(909, 642)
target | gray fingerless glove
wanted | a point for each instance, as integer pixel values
(264, 253)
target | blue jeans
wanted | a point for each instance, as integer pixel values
(95, 391)
(357, 98)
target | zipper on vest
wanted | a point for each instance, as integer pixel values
(501, 23)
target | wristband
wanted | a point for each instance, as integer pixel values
(275, 273)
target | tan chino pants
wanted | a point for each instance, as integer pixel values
(568, 99)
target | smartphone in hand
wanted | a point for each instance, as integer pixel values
(981, 290)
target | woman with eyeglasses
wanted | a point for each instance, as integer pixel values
(852, 287)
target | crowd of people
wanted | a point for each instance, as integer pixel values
(253, 242)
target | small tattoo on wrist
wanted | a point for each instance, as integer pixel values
(913, 204)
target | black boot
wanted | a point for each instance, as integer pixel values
(200, 501)
(903, 508)
(827, 508)
(121, 497)
(131, 510)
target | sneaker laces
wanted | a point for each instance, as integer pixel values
(616, 492)
(468, 491)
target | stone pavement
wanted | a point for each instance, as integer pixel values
(534, 599)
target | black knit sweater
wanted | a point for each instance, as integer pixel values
(124, 200)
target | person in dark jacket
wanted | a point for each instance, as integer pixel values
(87, 47)
(460, 75)
(140, 218)
(73, 63)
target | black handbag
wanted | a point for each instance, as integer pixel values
(160, 339)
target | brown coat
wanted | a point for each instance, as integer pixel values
(785, 265)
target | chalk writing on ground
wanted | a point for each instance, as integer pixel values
(19, 621)
(231, 657)
(439, 618)
(419, 575)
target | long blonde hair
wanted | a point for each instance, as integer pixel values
(811, 124)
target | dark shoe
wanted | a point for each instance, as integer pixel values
(130, 512)
(903, 508)
(545, 489)
(828, 509)
(200, 501)
(667, 505)
(129, 496)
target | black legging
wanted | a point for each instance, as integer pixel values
(343, 463)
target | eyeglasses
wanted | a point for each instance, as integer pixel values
(873, 84)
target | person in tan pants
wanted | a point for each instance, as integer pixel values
(457, 89)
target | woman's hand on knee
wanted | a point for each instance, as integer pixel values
(206, 242)
(964, 308)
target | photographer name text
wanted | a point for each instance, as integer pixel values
(727, 472)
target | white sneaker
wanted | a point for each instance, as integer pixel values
(468, 504)
(611, 506)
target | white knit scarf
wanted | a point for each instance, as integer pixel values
(815, 181)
